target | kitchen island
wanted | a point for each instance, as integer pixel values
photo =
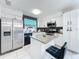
(38, 48)
(44, 38)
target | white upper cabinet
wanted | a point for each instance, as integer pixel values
(59, 21)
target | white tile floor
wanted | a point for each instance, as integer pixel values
(18, 54)
(29, 52)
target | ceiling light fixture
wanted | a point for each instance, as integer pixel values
(36, 11)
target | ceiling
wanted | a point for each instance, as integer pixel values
(48, 7)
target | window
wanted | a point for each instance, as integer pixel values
(30, 24)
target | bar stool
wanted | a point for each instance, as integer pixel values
(56, 52)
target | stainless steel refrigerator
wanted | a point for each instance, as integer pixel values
(11, 34)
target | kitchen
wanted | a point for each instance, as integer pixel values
(28, 28)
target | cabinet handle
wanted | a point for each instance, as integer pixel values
(67, 28)
(70, 29)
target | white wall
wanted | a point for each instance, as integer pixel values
(42, 22)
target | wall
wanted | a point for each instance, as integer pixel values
(42, 22)
(10, 13)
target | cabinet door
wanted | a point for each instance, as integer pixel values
(78, 20)
(73, 37)
(66, 21)
(66, 30)
(74, 20)
(59, 40)
(18, 35)
(78, 30)
(6, 35)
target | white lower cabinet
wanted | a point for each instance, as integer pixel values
(59, 41)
